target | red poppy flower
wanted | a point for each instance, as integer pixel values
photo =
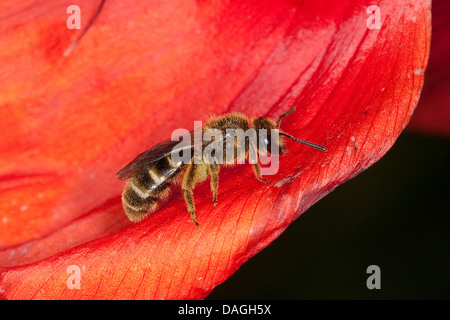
(144, 69)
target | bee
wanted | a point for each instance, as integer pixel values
(152, 172)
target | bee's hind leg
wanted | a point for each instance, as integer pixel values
(213, 170)
(194, 173)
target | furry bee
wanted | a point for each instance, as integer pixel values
(152, 172)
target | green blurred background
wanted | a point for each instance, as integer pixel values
(395, 215)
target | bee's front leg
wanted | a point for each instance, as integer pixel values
(253, 153)
(257, 171)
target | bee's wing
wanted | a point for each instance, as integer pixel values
(158, 151)
(155, 153)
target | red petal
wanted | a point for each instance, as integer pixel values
(144, 70)
(433, 113)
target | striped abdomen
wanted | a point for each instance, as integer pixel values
(148, 185)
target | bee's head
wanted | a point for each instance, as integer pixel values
(265, 143)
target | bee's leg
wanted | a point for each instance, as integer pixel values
(253, 153)
(213, 170)
(257, 171)
(188, 184)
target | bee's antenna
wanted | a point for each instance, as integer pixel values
(304, 142)
(73, 45)
(284, 115)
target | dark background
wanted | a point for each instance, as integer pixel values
(396, 215)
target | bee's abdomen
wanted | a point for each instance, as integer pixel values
(149, 184)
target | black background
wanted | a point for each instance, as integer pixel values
(396, 215)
